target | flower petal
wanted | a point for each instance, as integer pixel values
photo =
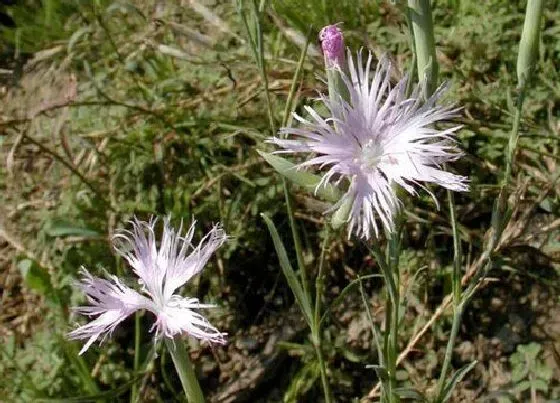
(180, 267)
(179, 317)
(110, 301)
(164, 269)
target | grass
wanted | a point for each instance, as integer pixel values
(126, 110)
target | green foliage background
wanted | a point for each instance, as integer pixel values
(116, 109)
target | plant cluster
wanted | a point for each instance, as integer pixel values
(358, 191)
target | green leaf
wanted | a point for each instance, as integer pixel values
(531, 351)
(350, 355)
(539, 384)
(61, 228)
(35, 277)
(543, 371)
(296, 348)
(519, 372)
(409, 393)
(289, 272)
(304, 179)
(302, 382)
(522, 386)
(455, 379)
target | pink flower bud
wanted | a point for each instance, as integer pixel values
(332, 42)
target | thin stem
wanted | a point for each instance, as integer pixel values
(390, 340)
(422, 25)
(134, 393)
(77, 360)
(165, 377)
(374, 328)
(67, 164)
(323, 369)
(457, 296)
(289, 210)
(293, 87)
(319, 281)
(297, 241)
(258, 49)
(513, 137)
(185, 370)
(394, 349)
(389, 386)
(316, 330)
(393, 260)
(457, 316)
(80, 366)
(261, 63)
(385, 270)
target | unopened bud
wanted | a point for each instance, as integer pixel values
(332, 42)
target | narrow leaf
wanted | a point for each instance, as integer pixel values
(455, 379)
(288, 271)
(409, 393)
(304, 179)
(61, 228)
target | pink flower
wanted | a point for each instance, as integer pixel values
(161, 272)
(380, 138)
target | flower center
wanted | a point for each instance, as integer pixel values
(370, 157)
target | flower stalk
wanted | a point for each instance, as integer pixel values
(299, 282)
(185, 370)
(161, 270)
(420, 13)
(528, 51)
(317, 326)
(529, 43)
(377, 137)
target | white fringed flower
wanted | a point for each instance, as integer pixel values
(161, 272)
(379, 138)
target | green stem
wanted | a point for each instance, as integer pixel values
(297, 241)
(422, 26)
(134, 392)
(457, 316)
(457, 296)
(319, 281)
(316, 330)
(185, 370)
(393, 260)
(390, 386)
(390, 339)
(513, 137)
(81, 367)
(78, 361)
(420, 12)
(322, 367)
(376, 333)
